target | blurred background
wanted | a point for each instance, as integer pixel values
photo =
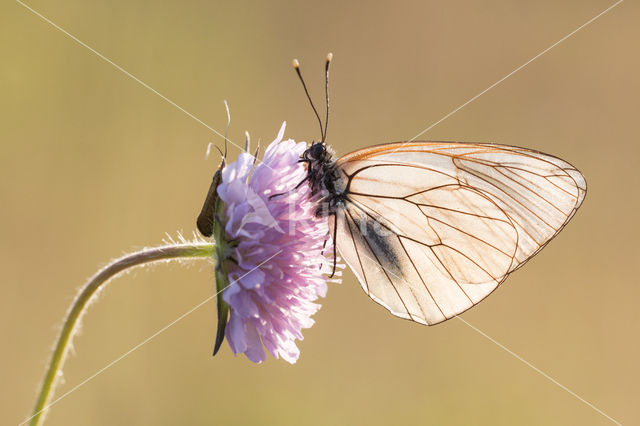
(93, 164)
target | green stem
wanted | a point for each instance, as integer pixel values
(80, 304)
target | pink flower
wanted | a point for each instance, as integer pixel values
(278, 266)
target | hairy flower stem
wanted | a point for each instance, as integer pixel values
(89, 290)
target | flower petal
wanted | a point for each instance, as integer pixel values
(279, 264)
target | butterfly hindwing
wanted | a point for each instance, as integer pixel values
(431, 228)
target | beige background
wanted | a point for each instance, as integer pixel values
(92, 164)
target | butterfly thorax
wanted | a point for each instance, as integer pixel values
(324, 178)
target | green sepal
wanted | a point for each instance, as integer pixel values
(222, 281)
(222, 255)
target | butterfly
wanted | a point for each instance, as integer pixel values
(432, 228)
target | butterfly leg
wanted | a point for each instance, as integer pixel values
(293, 190)
(324, 245)
(335, 246)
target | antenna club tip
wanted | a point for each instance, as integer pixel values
(296, 64)
(329, 57)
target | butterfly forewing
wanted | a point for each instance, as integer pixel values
(431, 228)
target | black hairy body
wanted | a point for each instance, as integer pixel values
(323, 175)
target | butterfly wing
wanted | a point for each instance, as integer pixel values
(431, 228)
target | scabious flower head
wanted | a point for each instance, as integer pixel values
(281, 252)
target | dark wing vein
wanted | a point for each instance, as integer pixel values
(485, 210)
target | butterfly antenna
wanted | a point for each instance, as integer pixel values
(296, 65)
(326, 93)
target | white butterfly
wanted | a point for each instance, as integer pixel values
(432, 228)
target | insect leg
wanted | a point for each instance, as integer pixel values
(294, 189)
(335, 245)
(324, 245)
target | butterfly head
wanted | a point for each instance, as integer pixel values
(318, 152)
